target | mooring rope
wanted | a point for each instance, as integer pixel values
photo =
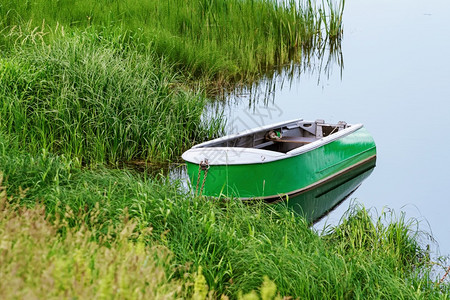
(198, 177)
(205, 167)
(204, 179)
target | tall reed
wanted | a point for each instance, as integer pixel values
(97, 99)
(228, 39)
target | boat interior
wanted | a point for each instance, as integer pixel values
(282, 138)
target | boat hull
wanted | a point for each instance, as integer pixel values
(316, 203)
(290, 176)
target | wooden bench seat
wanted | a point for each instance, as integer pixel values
(296, 139)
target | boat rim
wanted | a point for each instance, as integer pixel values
(244, 156)
(244, 132)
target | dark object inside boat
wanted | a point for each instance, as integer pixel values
(285, 138)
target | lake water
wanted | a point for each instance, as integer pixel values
(395, 79)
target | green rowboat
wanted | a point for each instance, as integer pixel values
(278, 161)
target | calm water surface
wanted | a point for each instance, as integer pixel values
(395, 79)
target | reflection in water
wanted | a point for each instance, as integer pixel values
(317, 203)
(318, 61)
(255, 105)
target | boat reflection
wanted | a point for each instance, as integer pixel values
(318, 202)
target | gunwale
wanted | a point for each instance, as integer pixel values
(245, 156)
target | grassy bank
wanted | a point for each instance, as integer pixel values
(96, 100)
(235, 245)
(223, 39)
(38, 262)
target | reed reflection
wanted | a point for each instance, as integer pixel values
(320, 62)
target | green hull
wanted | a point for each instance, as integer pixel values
(318, 202)
(290, 176)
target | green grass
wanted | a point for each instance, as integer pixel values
(96, 99)
(221, 39)
(38, 262)
(235, 245)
